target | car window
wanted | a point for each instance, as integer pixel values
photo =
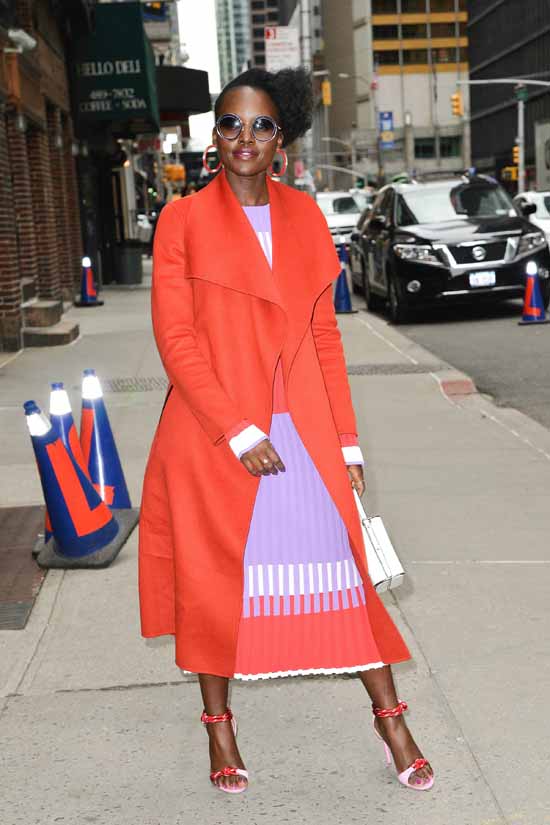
(343, 206)
(433, 204)
(404, 216)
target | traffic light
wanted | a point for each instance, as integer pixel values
(515, 155)
(457, 105)
(326, 92)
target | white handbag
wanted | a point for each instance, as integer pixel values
(385, 570)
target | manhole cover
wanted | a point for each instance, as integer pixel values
(20, 576)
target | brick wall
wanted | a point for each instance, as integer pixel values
(49, 280)
(72, 200)
(22, 198)
(59, 178)
(10, 293)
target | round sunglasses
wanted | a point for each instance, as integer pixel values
(264, 128)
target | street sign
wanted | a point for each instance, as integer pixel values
(282, 48)
(385, 128)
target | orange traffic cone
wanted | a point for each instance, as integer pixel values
(533, 305)
(88, 291)
(86, 534)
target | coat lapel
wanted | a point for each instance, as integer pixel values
(223, 247)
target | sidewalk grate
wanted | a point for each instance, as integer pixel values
(393, 369)
(158, 382)
(20, 576)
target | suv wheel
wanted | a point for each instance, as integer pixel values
(373, 302)
(399, 309)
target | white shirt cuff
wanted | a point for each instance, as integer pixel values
(353, 455)
(246, 439)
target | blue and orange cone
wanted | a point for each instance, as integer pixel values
(81, 523)
(342, 299)
(61, 417)
(533, 305)
(88, 290)
(98, 446)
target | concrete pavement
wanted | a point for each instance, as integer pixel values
(98, 725)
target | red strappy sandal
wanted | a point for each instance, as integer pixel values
(420, 784)
(229, 770)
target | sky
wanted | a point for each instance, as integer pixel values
(197, 24)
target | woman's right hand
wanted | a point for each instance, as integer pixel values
(263, 460)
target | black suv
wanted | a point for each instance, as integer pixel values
(427, 243)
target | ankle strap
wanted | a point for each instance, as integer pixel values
(221, 717)
(385, 712)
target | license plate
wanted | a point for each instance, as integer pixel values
(483, 278)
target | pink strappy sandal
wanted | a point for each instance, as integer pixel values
(420, 784)
(229, 770)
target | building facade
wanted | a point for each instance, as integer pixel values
(409, 55)
(507, 42)
(234, 37)
(262, 13)
(40, 232)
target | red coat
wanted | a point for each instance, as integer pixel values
(221, 318)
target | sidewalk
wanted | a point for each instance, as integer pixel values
(99, 727)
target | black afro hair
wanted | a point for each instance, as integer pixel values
(291, 92)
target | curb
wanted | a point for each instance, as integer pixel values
(453, 383)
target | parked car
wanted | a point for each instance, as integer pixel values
(342, 211)
(445, 241)
(541, 214)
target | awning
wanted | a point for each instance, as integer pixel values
(181, 92)
(114, 75)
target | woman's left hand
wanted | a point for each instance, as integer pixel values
(357, 479)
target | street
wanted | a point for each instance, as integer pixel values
(509, 362)
(99, 726)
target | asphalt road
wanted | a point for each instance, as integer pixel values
(509, 362)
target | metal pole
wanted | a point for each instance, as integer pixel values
(521, 146)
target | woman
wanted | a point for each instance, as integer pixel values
(250, 545)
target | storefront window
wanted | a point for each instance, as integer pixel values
(450, 146)
(424, 147)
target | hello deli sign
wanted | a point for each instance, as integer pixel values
(114, 70)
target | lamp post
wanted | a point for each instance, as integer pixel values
(325, 73)
(372, 87)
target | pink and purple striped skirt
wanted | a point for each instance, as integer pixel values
(303, 602)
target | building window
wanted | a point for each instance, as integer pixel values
(258, 32)
(410, 32)
(443, 5)
(258, 18)
(386, 58)
(385, 32)
(443, 30)
(424, 147)
(384, 6)
(412, 6)
(257, 4)
(444, 55)
(450, 146)
(415, 56)
(273, 16)
(259, 60)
